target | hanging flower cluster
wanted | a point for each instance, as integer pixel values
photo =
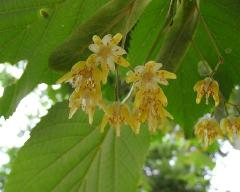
(86, 77)
(230, 126)
(208, 87)
(150, 99)
(208, 130)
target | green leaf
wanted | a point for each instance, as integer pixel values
(32, 37)
(69, 155)
(146, 33)
(179, 35)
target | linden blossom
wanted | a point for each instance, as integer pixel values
(149, 75)
(208, 87)
(107, 52)
(230, 126)
(85, 77)
(207, 130)
(149, 105)
(116, 115)
(150, 100)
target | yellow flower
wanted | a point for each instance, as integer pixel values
(207, 130)
(116, 115)
(85, 77)
(149, 105)
(208, 87)
(82, 70)
(87, 97)
(230, 126)
(149, 75)
(108, 52)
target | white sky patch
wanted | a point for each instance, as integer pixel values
(26, 116)
(15, 70)
(225, 175)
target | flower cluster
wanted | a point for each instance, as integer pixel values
(150, 99)
(230, 126)
(208, 87)
(207, 130)
(86, 77)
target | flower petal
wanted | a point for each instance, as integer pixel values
(106, 39)
(121, 61)
(199, 97)
(65, 78)
(152, 66)
(94, 48)
(97, 74)
(157, 66)
(131, 77)
(90, 111)
(162, 97)
(138, 98)
(164, 113)
(152, 124)
(118, 51)
(103, 123)
(163, 74)
(116, 39)
(97, 40)
(91, 60)
(78, 66)
(139, 69)
(105, 71)
(111, 63)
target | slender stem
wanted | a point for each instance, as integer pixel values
(128, 95)
(117, 83)
(216, 67)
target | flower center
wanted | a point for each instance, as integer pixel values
(147, 76)
(116, 118)
(104, 51)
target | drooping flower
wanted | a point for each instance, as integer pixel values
(208, 87)
(117, 115)
(87, 97)
(149, 76)
(207, 130)
(230, 126)
(85, 78)
(108, 52)
(149, 105)
(82, 70)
